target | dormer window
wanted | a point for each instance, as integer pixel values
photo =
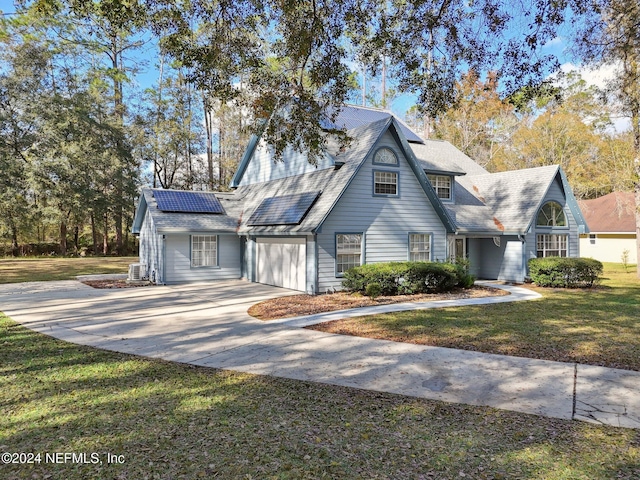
(442, 185)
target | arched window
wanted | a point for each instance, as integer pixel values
(551, 215)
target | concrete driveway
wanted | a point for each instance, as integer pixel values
(207, 324)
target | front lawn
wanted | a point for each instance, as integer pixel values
(34, 269)
(160, 420)
(598, 326)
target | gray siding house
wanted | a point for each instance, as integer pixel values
(389, 196)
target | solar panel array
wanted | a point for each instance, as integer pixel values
(187, 202)
(351, 117)
(284, 210)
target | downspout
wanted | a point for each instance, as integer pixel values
(164, 258)
(524, 256)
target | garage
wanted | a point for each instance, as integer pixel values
(282, 262)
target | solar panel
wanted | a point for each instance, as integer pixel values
(284, 210)
(187, 202)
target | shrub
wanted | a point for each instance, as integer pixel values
(407, 278)
(565, 272)
(373, 290)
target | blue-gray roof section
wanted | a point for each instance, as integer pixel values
(166, 222)
(352, 116)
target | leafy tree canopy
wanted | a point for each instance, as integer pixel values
(228, 45)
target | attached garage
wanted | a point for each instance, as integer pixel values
(282, 262)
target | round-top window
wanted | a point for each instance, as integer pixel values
(385, 155)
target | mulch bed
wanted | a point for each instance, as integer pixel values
(297, 305)
(112, 284)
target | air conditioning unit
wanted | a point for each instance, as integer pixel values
(137, 271)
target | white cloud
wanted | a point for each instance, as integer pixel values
(593, 76)
(554, 42)
(600, 77)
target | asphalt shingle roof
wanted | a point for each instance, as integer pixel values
(351, 116)
(614, 212)
(510, 199)
(488, 204)
(439, 155)
(331, 182)
(189, 222)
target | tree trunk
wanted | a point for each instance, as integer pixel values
(14, 240)
(76, 235)
(118, 104)
(207, 122)
(637, 190)
(63, 238)
(105, 238)
(94, 233)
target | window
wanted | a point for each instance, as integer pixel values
(419, 247)
(442, 185)
(551, 245)
(204, 251)
(385, 156)
(551, 215)
(348, 251)
(385, 183)
(592, 238)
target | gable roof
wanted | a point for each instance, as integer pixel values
(613, 213)
(354, 116)
(350, 118)
(331, 182)
(166, 222)
(442, 157)
(507, 202)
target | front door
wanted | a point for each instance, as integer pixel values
(457, 248)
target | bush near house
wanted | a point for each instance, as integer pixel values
(565, 272)
(406, 278)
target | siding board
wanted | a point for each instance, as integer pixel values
(384, 221)
(262, 167)
(178, 261)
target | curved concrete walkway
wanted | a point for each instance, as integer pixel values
(207, 324)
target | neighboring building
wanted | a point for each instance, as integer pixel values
(612, 225)
(389, 196)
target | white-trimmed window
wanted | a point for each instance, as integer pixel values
(385, 183)
(442, 185)
(552, 245)
(419, 247)
(204, 251)
(551, 215)
(348, 251)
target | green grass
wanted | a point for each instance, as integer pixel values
(172, 421)
(30, 269)
(598, 326)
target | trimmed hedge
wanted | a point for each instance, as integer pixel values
(565, 272)
(405, 278)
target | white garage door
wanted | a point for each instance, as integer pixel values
(282, 262)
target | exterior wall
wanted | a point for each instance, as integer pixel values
(151, 249)
(385, 221)
(262, 168)
(504, 263)
(608, 247)
(556, 194)
(178, 260)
